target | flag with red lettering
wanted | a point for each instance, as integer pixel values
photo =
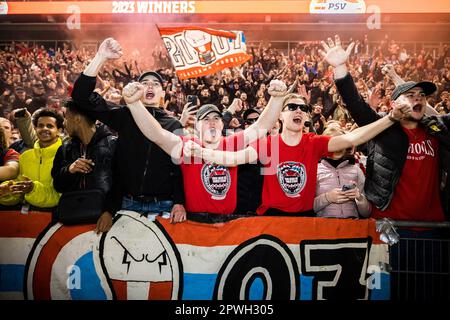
(197, 51)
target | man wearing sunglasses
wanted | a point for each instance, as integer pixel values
(290, 159)
(408, 163)
(250, 116)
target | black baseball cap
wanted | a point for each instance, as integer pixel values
(207, 109)
(151, 73)
(249, 112)
(427, 87)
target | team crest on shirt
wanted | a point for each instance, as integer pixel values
(291, 177)
(216, 180)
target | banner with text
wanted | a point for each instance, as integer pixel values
(197, 52)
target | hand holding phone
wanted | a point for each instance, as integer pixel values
(192, 100)
(347, 187)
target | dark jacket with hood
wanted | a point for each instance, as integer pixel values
(387, 152)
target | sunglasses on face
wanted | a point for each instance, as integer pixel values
(294, 106)
(251, 121)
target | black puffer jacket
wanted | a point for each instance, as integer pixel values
(100, 150)
(387, 152)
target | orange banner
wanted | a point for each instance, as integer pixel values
(224, 7)
(197, 52)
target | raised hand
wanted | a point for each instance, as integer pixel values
(277, 88)
(389, 70)
(188, 114)
(133, 92)
(333, 52)
(304, 93)
(235, 106)
(110, 49)
(293, 86)
(375, 98)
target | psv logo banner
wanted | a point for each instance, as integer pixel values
(197, 52)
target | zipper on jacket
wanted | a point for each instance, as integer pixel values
(148, 158)
(339, 183)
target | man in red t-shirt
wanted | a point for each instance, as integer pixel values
(290, 159)
(209, 187)
(403, 169)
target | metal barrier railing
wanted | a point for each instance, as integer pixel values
(420, 261)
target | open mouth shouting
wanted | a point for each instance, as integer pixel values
(149, 95)
(213, 132)
(297, 120)
(417, 108)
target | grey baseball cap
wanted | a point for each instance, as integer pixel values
(207, 109)
(151, 73)
(427, 87)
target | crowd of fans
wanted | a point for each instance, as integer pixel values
(34, 77)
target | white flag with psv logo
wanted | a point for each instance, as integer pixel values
(197, 52)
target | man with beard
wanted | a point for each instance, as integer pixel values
(407, 163)
(148, 180)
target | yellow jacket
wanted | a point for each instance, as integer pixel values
(37, 165)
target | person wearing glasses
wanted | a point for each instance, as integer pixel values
(290, 159)
(250, 116)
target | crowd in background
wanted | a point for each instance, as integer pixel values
(34, 76)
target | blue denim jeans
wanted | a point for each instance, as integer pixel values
(150, 209)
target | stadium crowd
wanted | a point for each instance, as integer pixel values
(41, 79)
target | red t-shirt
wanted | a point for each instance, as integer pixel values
(416, 196)
(208, 187)
(290, 172)
(11, 155)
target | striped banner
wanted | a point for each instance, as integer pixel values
(256, 258)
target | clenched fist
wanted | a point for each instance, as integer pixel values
(110, 49)
(133, 92)
(401, 108)
(192, 149)
(277, 88)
